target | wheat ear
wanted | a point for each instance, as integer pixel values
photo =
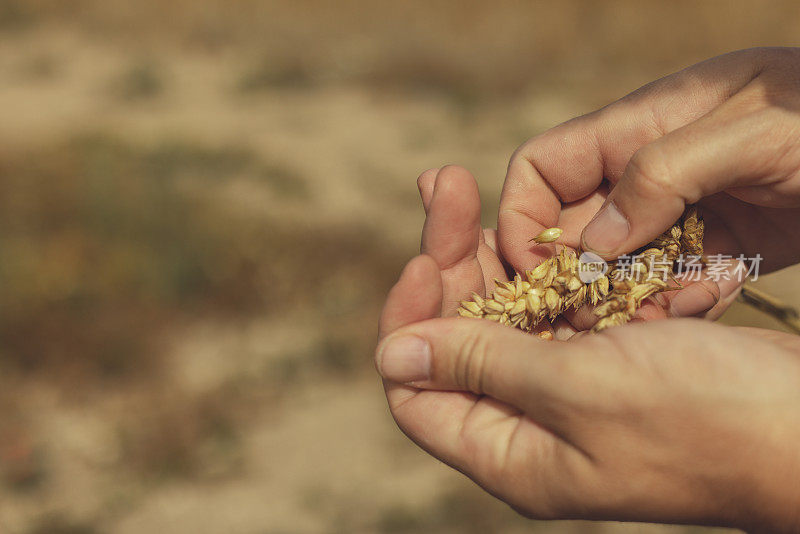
(555, 285)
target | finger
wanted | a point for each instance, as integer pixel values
(729, 291)
(584, 317)
(490, 239)
(728, 148)
(569, 162)
(416, 296)
(425, 184)
(563, 330)
(574, 216)
(488, 359)
(705, 294)
(491, 265)
(452, 234)
(723, 239)
(699, 297)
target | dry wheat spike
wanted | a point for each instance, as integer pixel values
(556, 285)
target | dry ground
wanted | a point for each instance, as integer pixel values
(202, 205)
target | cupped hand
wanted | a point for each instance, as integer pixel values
(677, 421)
(637, 423)
(724, 134)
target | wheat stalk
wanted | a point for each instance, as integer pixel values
(772, 306)
(555, 286)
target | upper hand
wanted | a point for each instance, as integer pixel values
(724, 134)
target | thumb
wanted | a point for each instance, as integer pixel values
(724, 150)
(487, 359)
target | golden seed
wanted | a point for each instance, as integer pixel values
(554, 285)
(492, 306)
(518, 307)
(539, 272)
(503, 295)
(471, 306)
(548, 236)
(574, 284)
(551, 298)
(533, 303)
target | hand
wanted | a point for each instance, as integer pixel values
(724, 133)
(638, 423)
(464, 253)
(676, 421)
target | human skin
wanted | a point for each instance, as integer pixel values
(678, 421)
(723, 133)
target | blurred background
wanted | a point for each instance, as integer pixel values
(202, 206)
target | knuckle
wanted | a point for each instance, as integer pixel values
(518, 153)
(776, 55)
(522, 159)
(751, 101)
(766, 58)
(756, 54)
(773, 89)
(777, 78)
(777, 128)
(650, 175)
(529, 153)
(471, 361)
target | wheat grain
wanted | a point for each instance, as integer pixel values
(555, 286)
(544, 293)
(548, 236)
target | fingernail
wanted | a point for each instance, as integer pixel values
(404, 359)
(607, 231)
(691, 301)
